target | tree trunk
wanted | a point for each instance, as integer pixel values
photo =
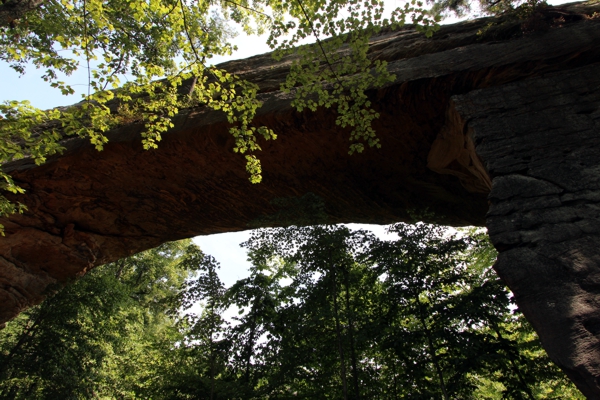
(393, 361)
(27, 333)
(249, 350)
(338, 331)
(120, 267)
(350, 313)
(432, 351)
(513, 364)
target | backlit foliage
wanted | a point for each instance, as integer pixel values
(147, 60)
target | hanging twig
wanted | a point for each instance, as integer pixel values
(247, 8)
(315, 33)
(87, 50)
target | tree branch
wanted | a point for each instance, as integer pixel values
(12, 10)
(247, 8)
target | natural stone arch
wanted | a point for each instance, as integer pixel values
(478, 107)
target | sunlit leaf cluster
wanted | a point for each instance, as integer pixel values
(145, 61)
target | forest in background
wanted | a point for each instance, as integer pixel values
(326, 313)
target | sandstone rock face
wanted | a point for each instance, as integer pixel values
(491, 104)
(544, 215)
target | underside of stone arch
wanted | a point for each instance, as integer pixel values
(488, 123)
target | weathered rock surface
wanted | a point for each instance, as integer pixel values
(540, 140)
(491, 103)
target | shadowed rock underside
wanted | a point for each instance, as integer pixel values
(491, 104)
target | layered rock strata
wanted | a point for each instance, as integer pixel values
(494, 104)
(540, 142)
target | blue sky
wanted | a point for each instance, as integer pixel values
(30, 87)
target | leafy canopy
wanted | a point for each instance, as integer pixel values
(161, 50)
(325, 313)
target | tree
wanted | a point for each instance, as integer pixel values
(174, 40)
(102, 336)
(199, 368)
(208, 287)
(326, 313)
(312, 345)
(422, 316)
